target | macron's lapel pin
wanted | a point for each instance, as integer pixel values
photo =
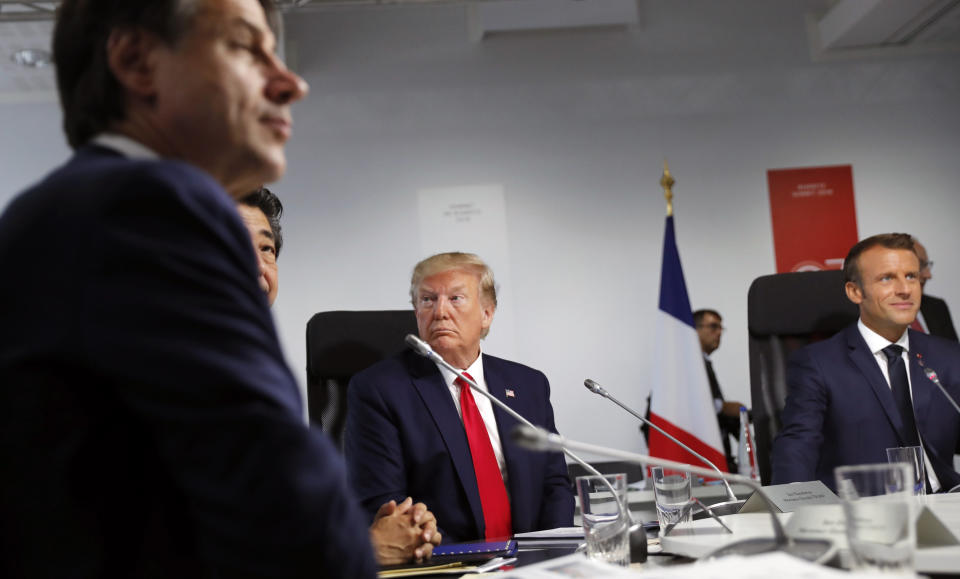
(511, 393)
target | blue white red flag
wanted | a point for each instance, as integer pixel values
(680, 403)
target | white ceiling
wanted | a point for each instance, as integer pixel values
(844, 29)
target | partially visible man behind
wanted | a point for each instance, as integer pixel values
(149, 424)
(395, 528)
(414, 429)
(260, 212)
(934, 315)
(709, 329)
(863, 390)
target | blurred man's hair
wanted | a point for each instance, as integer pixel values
(90, 95)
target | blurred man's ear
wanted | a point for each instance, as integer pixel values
(131, 58)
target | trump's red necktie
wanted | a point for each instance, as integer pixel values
(493, 493)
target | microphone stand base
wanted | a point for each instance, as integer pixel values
(814, 550)
(726, 507)
(638, 543)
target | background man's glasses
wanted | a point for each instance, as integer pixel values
(714, 326)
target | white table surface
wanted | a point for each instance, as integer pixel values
(703, 536)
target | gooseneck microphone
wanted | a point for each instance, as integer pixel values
(728, 507)
(817, 550)
(638, 536)
(931, 375)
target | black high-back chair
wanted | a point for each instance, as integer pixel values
(340, 344)
(784, 313)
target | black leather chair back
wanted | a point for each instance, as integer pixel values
(784, 313)
(340, 344)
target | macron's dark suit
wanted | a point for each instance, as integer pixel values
(405, 437)
(937, 316)
(840, 409)
(149, 426)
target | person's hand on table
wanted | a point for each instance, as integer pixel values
(404, 532)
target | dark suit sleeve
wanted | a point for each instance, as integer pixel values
(171, 304)
(937, 315)
(556, 505)
(796, 451)
(373, 448)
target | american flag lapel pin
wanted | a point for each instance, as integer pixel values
(511, 393)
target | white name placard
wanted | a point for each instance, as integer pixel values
(789, 497)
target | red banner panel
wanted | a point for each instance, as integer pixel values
(814, 219)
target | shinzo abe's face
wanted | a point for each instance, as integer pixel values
(265, 247)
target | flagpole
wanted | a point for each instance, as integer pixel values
(666, 181)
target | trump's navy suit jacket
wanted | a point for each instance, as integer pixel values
(149, 426)
(840, 409)
(405, 437)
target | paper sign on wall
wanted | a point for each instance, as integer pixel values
(473, 219)
(814, 218)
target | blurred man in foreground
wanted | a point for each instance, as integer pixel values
(150, 425)
(414, 428)
(864, 390)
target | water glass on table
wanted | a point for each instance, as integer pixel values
(606, 526)
(880, 509)
(672, 491)
(913, 456)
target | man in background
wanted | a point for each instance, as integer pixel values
(864, 390)
(934, 315)
(150, 425)
(392, 531)
(260, 212)
(709, 326)
(414, 428)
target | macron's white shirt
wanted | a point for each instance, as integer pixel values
(877, 343)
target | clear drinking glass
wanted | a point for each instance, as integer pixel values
(879, 506)
(913, 456)
(606, 526)
(672, 491)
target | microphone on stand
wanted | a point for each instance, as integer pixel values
(931, 375)
(817, 550)
(638, 535)
(728, 507)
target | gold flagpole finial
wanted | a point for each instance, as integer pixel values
(666, 181)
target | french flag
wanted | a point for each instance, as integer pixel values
(680, 403)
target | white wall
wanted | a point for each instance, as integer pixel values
(576, 125)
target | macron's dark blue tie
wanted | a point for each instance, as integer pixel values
(901, 392)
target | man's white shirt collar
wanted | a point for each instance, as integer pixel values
(877, 343)
(484, 407)
(475, 370)
(125, 146)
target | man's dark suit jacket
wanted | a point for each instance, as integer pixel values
(405, 437)
(727, 424)
(149, 426)
(937, 316)
(840, 409)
